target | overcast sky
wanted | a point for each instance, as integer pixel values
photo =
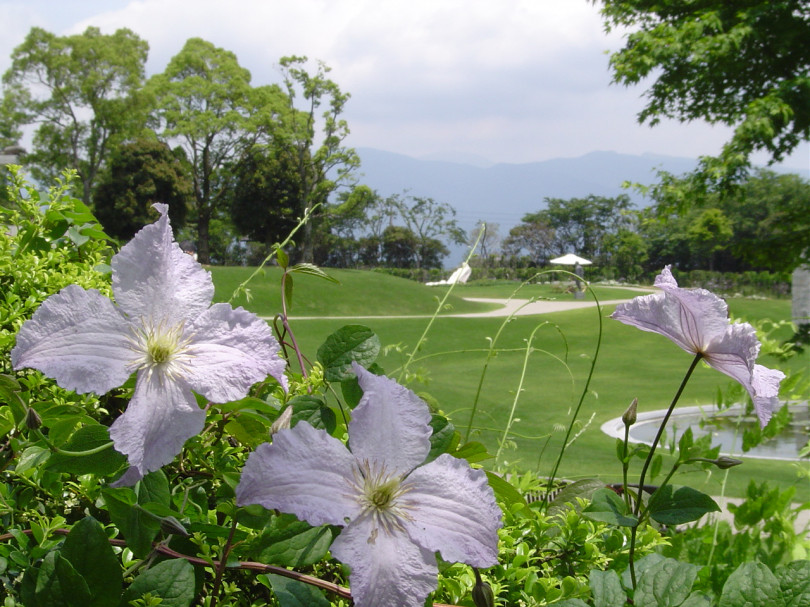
(506, 80)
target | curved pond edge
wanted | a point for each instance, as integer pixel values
(615, 427)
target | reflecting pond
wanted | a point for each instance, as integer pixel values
(723, 426)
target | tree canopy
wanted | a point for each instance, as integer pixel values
(140, 173)
(205, 101)
(743, 64)
(82, 92)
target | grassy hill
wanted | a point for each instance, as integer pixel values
(358, 293)
(631, 364)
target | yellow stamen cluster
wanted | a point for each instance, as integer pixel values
(380, 493)
(160, 348)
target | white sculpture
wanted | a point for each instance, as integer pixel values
(459, 276)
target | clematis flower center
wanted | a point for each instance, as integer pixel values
(380, 493)
(159, 347)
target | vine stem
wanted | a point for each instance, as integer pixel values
(660, 432)
(656, 440)
(582, 396)
(528, 352)
(336, 589)
(220, 568)
(288, 328)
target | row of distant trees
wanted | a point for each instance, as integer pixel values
(234, 161)
(764, 225)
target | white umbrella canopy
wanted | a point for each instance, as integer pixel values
(571, 260)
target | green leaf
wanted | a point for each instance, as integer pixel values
(154, 487)
(32, 457)
(282, 258)
(571, 603)
(288, 542)
(312, 270)
(314, 411)
(172, 581)
(292, 593)
(794, 580)
(473, 452)
(288, 290)
(443, 438)
(606, 589)
(137, 527)
(249, 431)
(9, 394)
(671, 505)
(583, 488)
(88, 550)
(59, 584)
(609, 508)
(75, 235)
(697, 599)
(504, 491)
(667, 583)
(347, 344)
(752, 585)
(85, 438)
(352, 393)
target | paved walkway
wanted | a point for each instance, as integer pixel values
(518, 307)
(527, 307)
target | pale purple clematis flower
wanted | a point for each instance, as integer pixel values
(163, 328)
(697, 321)
(396, 514)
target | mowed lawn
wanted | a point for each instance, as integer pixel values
(631, 364)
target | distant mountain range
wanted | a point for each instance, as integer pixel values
(504, 193)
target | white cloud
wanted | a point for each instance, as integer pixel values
(512, 80)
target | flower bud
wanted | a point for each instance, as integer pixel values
(629, 417)
(482, 593)
(32, 419)
(171, 526)
(723, 462)
(283, 421)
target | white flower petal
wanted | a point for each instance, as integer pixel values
(386, 570)
(162, 415)
(697, 321)
(692, 318)
(765, 387)
(390, 425)
(79, 338)
(453, 511)
(154, 279)
(230, 351)
(305, 472)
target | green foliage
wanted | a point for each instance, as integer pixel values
(737, 64)
(266, 197)
(322, 162)
(83, 91)
(205, 101)
(761, 224)
(178, 538)
(53, 240)
(139, 174)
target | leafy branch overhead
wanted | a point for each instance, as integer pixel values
(741, 64)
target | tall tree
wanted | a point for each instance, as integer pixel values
(743, 64)
(205, 101)
(140, 173)
(428, 220)
(83, 92)
(324, 164)
(534, 236)
(265, 193)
